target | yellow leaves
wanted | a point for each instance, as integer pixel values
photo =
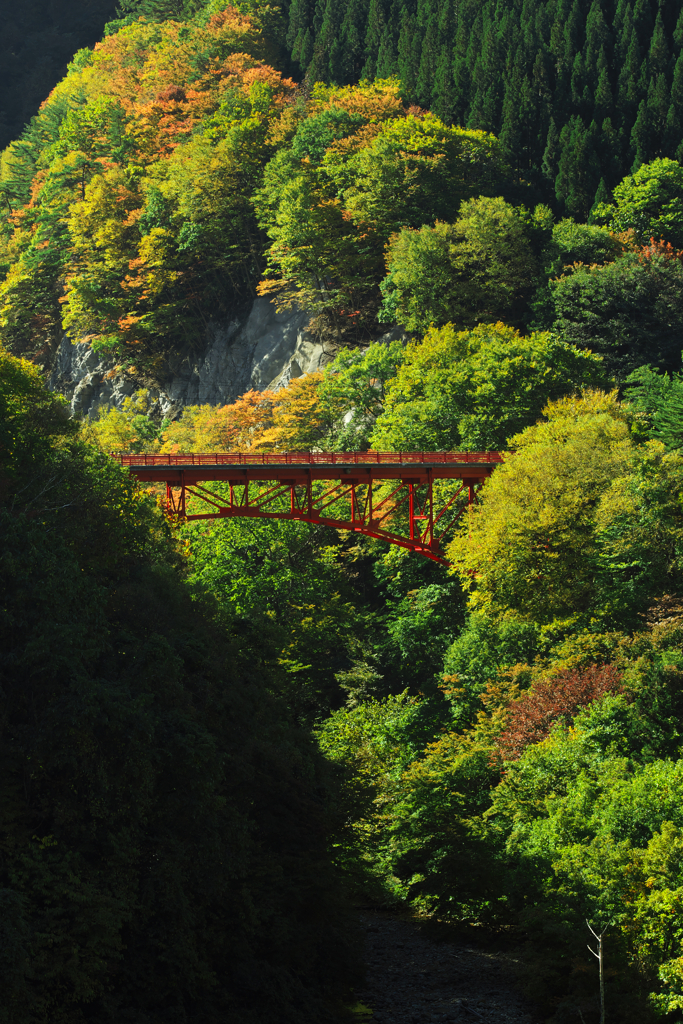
(375, 101)
(151, 272)
(285, 420)
(229, 428)
(102, 219)
(20, 385)
(298, 417)
(113, 432)
(530, 542)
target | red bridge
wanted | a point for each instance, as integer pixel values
(406, 498)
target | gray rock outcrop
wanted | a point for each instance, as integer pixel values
(265, 350)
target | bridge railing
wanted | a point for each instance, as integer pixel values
(309, 458)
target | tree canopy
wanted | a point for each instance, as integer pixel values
(474, 389)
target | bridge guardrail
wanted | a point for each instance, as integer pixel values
(309, 458)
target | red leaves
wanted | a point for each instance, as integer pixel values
(531, 717)
(172, 93)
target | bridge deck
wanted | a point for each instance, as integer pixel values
(361, 466)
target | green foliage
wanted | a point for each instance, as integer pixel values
(294, 587)
(416, 170)
(31, 419)
(330, 211)
(658, 401)
(484, 649)
(473, 389)
(649, 203)
(629, 311)
(128, 429)
(530, 544)
(440, 851)
(479, 269)
(581, 243)
(164, 836)
(354, 390)
(579, 95)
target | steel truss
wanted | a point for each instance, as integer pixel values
(394, 499)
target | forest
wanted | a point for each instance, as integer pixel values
(220, 737)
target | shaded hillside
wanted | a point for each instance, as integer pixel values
(163, 846)
(39, 38)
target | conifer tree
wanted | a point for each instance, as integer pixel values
(668, 419)
(551, 152)
(409, 46)
(603, 95)
(640, 138)
(602, 198)
(658, 56)
(373, 38)
(352, 43)
(428, 63)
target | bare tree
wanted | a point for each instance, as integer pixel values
(598, 936)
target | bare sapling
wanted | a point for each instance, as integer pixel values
(598, 936)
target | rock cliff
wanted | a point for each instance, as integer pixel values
(264, 350)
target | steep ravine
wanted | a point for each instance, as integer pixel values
(412, 979)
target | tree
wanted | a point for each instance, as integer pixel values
(417, 170)
(658, 398)
(578, 173)
(581, 243)
(162, 820)
(529, 546)
(329, 218)
(639, 532)
(480, 268)
(473, 389)
(228, 428)
(300, 419)
(529, 718)
(650, 203)
(288, 583)
(629, 310)
(353, 391)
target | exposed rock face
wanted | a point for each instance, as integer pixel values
(265, 350)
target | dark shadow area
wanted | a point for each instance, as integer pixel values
(39, 38)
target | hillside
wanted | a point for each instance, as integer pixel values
(221, 734)
(176, 172)
(579, 93)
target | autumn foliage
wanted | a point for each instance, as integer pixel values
(531, 717)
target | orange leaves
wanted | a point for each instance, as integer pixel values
(229, 20)
(126, 322)
(172, 94)
(286, 420)
(153, 70)
(661, 248)
(228, 428)
(299, 420)
(242, 71)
